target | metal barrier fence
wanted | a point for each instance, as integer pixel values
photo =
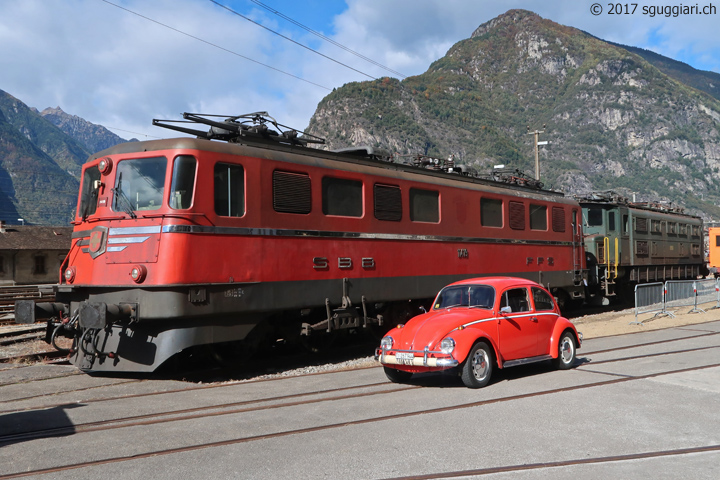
(657, 297)
(649, 297)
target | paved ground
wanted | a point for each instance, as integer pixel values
(643, 405)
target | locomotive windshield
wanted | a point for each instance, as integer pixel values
(474, 296)
(139, 184)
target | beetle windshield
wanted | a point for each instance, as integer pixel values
(474, 296)
(139, 184)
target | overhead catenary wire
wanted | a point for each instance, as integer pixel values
(216, 46)
(290, 39)
(327, 39)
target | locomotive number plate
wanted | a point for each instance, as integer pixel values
(404, 358)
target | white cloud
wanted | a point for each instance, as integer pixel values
(114, 68)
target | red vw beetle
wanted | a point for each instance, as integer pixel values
(478, 324)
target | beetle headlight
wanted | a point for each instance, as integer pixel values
(386, 343)
(447, 345)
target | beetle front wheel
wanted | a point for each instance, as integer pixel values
(478, 366)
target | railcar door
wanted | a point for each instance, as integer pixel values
(518, 329)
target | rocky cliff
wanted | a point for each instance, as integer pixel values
(614, 120)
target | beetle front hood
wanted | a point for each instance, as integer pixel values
(428, 329)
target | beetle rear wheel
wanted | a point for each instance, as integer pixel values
(397, 376)
(478, 366)
(566, 352)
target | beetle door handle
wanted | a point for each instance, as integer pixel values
(534, 319)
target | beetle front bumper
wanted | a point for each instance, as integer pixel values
(418, 359)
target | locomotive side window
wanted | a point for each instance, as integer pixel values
(342, 197)
(538, 217)
(611, 221)
(491, 212)
(388, 202)
(558, 219)
(140, 184)
(517, 215)
(89, 195)
(641, 225)
(626, 224)
(292, 192)
(595, 217)
(229, 190)
(424, 205)
(183, 182)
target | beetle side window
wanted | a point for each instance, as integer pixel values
(516, 299)
(542, 300)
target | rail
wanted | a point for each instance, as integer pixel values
(10, 293)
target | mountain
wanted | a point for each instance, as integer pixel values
(93, 137)
(40, 164)
(614, 120)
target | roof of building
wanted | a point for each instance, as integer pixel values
(31, 237)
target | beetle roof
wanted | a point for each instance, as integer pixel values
(497, 282)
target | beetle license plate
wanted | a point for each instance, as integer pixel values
(404, 358)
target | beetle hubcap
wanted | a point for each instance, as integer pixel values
(567, 350)
(480, 364)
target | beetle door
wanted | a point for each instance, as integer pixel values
(544, 308)
(518, 330)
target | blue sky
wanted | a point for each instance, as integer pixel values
(118, 69)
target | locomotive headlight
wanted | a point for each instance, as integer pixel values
(447, 345)
(386, 343)
(70, 274)
(105, 165)
(138, 273)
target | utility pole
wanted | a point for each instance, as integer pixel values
(536, 134)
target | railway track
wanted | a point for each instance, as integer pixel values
(329, 396)
(382, 389)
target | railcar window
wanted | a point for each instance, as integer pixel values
(183, 182)
(292, 192)
(140, 184)
(491, 212)
(388, 203)
(626, 224)
(672, 228)
(516, 211)
(717, 240)
(229, 190)
(611, 221)
(542, 300)
(695, 231)
(641, 225)
(656, 226)
(342, 197)
(683, 229)
(424, 205)
(558, 219)
(595, 217)
(89, 195)
(538, 217)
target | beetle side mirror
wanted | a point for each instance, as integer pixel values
(505, 310)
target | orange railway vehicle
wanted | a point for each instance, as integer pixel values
(186, 242)
(714, 246)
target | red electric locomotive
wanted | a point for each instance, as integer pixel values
(188, 241)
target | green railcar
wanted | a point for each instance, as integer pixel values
(628, 243)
